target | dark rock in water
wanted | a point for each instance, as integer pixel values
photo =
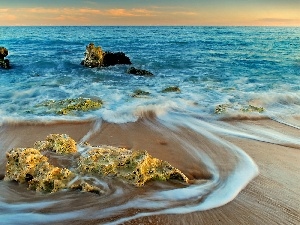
(111, 58)
(139, 72)
(4, 63)
(140, 93)
(171, 89)
(96, 57)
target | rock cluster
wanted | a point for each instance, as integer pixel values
(4, 63)
(31, 166)
(96, 57)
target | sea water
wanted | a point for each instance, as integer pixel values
(210, 65)
(229, 66)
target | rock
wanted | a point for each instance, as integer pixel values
(59, 143)
(96, 57)
(135, 167)
(29, 165)
(3, 52)
(171, 89)
(140, 93)
(4, 63)
(221, 108)
(67, 106)
(234, 108)
(139, 72)
(251, 108)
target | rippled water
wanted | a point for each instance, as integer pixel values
(236, 66)
(211, 65)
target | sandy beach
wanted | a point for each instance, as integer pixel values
(270, 198)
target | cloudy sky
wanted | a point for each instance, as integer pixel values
(150, 12)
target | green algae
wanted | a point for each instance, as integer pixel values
(67, 106)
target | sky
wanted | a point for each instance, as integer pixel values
(150, 12)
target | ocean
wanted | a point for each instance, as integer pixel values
(226, 75)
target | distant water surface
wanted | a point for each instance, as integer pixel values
(211, 66)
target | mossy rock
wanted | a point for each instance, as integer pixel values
(67, 106)
(140, 93)
(171, 89)
(135, 167)
(29, 165)
(59, 143)
(251, 108)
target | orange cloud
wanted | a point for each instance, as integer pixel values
(131, 12)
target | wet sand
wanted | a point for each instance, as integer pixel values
(271, 198)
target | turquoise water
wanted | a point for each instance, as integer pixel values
(211, 66)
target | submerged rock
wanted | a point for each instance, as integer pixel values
(140, 93)
(4, 63)
(223, 108)
(251, 108)
(139, 72)
(96, 57)
(171, 89)
(29, 165)
(67, 106)
(135, 167)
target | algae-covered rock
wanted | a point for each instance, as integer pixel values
(140, 93)
(139, 72)
(222, 108)
(59, 143)
(96, 57)
(29, 165)
(251, 108)
(67, 106)
(135, 167)
(171, 89)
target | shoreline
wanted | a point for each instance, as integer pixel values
(270, 198)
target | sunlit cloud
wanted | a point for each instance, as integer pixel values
(150, 15)
(131, 12)
(3, 10)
